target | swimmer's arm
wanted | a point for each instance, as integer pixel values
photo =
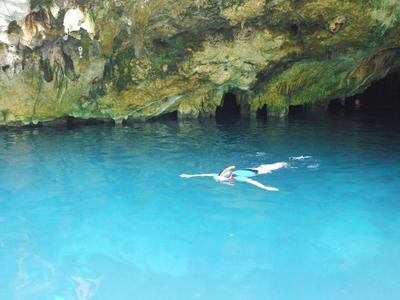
(260, 185)
(198, 175)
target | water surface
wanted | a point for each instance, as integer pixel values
(100, 212)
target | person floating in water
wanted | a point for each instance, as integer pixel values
(229, 175)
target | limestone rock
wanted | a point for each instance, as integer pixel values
(139, 59)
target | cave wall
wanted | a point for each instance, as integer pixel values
(142, 59)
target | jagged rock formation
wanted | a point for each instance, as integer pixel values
(144, 58)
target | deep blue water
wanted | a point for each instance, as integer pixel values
(100, 212)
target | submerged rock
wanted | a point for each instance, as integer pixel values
(144, 58)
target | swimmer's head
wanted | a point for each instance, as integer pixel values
(226, 174)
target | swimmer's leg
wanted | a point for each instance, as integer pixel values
(198, 175)
(268, 168)
(260, 185)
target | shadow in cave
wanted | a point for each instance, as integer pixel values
(229, 111)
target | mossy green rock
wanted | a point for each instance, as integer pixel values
(142, 59)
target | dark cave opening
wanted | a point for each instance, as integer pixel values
(170, 116)
(335, 105)
(262, 113)
(295, 110)
(229, 110)
(382, 95)
(71, 122)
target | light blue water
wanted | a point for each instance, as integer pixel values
(100, 212)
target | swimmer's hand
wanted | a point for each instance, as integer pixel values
(185, 175)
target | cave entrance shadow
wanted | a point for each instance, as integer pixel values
(382, 96)
(229, 110)
(296, 111)
(335, 106)
(170, 116)
(262, 113)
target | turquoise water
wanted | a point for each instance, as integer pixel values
(100, 212)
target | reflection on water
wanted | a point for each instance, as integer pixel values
(99, 212)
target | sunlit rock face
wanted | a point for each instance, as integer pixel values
(15, 10)
(141, 59)
(75, 20)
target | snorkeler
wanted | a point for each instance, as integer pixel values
(229, 175)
